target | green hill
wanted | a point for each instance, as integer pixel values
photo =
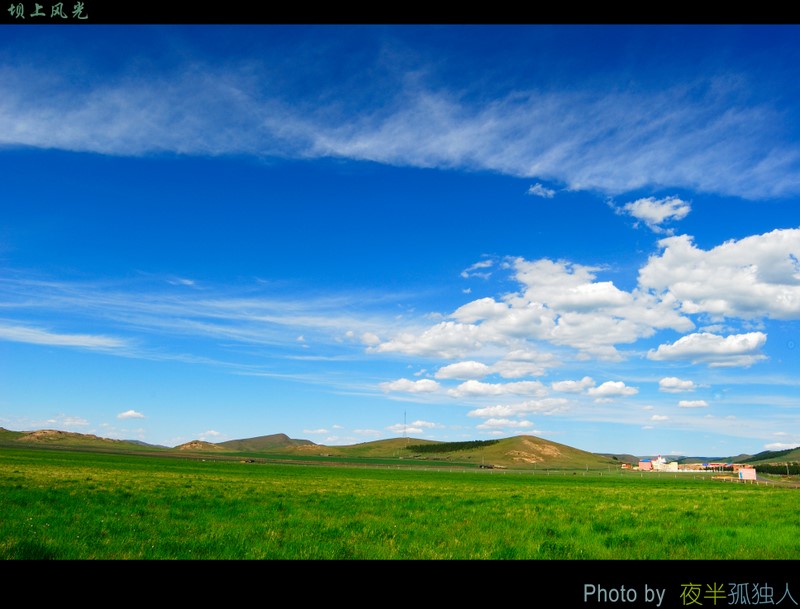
(53, 438)
(263, 443)
(791, 455)
(517, 452)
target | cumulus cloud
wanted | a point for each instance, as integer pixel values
(659, 417)
(130, 414)
(692, 404)
(545, 406)
(573, 386)
(611, 389)
(755, 277)
(524, 362)
(424, 424)
(473, 388)
(415, 427)
(538, 190)
(655, 212)
(780, 446)
(504, 424)
(479, 310)
(446, 339)
(463, 371)
(672, 384)
(558, 302)
(712, 349)
(408, 386)
(370, 339)
(592, 316)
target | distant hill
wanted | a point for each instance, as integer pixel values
(67, 439)
(198, 445)
(145, 444)
(622, 457)
(261, 443)
(772, 456)
(517, 452)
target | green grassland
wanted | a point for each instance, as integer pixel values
(90, 505)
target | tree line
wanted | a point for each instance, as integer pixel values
(448, 447)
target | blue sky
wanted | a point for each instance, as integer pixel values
(589, 234)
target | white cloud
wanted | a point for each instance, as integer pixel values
(407, 386)
(588, 315)
(479, 310)
(659, 417)
(573, 386)
(22, 334)
(524, 362)
(611, 389)
(473, 271)
(545, 406)
(415, 427)
(516, 364)
(558, 302)
(204, 436)
(182, 281)
(424, 424)
(68, 421)
(130, 414)
(755, 277)
(538, 190)
(672, 384)
(708, 138)
(714, 350)
(370, 339)
(504, 424)
(447, 339)
(780, 446)
(475, 388)
(463, 371)
(692, 404)
(655, 212)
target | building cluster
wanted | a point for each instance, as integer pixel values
(660, 464)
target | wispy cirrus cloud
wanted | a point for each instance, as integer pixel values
(239, 328)
(635, 139)
(38, 336)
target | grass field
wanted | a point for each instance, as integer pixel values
(72, 506)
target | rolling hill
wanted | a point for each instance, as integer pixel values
(522, 452)
(516, 452)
